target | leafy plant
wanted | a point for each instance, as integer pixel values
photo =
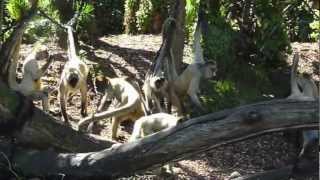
(144, 15)
(192, 7)
(17, 8)
(315, 26)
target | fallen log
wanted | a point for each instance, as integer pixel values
(191, 137)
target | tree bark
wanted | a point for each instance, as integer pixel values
(178, 44)
(1, 20)
(191, 137)
(283, 173)
(32, 127)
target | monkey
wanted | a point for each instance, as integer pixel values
(303, 88)
(129, 104)
(153, 88)
(153, 123)
(74, 77)
(157, 85)
(187, 83)
(31, 84)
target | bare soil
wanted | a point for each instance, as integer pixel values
(131, 56)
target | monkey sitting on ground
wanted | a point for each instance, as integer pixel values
(303, 88)
(30, 84)
(129, 104)
(151, 124)
(74, 77)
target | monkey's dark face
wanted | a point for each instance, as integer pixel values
(210, 70)
(73, 79)
(159, 82)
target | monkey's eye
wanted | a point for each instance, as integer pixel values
(36, 80)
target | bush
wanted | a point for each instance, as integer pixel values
(39, 29)
(315, 27)
(109, 15)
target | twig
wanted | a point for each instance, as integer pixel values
(43, 14)
(9, 165)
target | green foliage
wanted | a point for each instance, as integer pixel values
(192, 7)
(218, 43)
(144, 15)
(39, 28)
(131, 6)
(85, 19)
(315, 26)
(17, 8)
(109, 15)
(140, 14)
(270, 37)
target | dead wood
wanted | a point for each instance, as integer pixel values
(191, 137)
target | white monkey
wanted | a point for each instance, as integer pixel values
(31, 82)
(73, 78)
(151, 124)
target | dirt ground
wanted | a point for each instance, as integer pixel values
(131, 56)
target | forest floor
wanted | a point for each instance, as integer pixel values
(131, 56)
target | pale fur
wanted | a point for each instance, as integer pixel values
(31, 81)
(187, 83)
(308, 92)
(129, 105)
(151, 124)
(73, 67)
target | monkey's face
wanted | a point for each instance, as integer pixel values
(73, 78)
(210, 70)
(158, 83)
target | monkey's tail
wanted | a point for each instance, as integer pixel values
(12, 76)
(71, 46)
(136, 133)
(198, 51)
(107, 114)
(293, 77)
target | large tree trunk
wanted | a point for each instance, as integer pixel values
(10, 49)
(191, 137)
(179, 13)
(31, 126)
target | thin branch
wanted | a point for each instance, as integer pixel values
(43, 14)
